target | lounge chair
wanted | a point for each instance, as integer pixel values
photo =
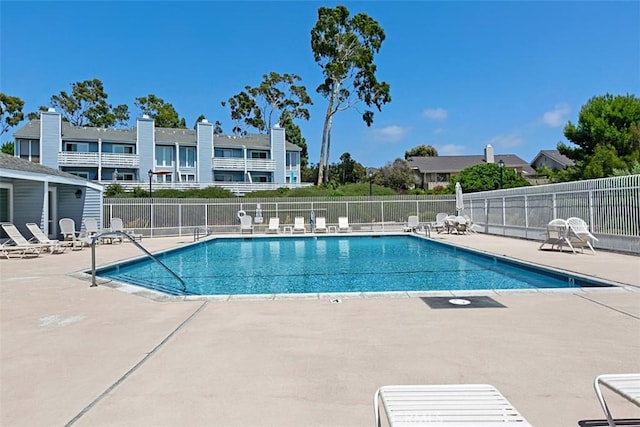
(298, 225)
(343, 225)
(439, 224)
(17, 244)
(446, 405)
(321, 225)
(274, 225)
(91, 227)
(556, 234)
(626, 385)
(246, 224)
(69, 233)
(450, 223)
(579, 234)
(53, 246)
(116, 224)
(470, 223)
(461, 225)
(413, 222)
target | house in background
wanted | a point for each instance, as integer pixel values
(552, 159)
(30, 192)
(432, 172)
(171, 158)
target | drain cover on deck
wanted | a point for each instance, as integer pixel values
(462, 302)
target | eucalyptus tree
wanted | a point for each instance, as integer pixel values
(164, 114)
(87, 105)
(345, 48)
(421, 151)
(10, 112)
(262, 106)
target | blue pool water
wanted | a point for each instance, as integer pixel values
(331, 264)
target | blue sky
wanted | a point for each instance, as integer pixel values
(462, 74)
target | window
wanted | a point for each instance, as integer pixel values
(79, 147)
(29, 149)
(84, 175)
(188, 177)
(122, 149)
(258, 155)
(187, 157)
(5, 203)
(227, 152)
(293, 158)
(164, 156)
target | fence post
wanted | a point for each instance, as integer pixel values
(180, 219)
(151, 218)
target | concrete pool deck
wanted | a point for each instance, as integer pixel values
(75, 355)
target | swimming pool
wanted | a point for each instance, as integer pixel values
(332, 264)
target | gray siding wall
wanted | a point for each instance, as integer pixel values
(92, 206)
(146, 146)
(69, 206)
(28, 204)
(278, 154)
(50, 138)
(204, 139)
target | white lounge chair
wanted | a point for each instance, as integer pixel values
(461, 225)
(439, 224)
(69, 233)
(246, 224)
(321, 225)
(53, 246)
(626, 385)
(556, 234)
(116, 224)
(579, 234)
(274, 225)
(452, 405)
(298, 225)
(413, 222)
(90, 227)
(17, 244)
(343, 225)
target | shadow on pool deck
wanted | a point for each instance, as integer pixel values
(102, 357)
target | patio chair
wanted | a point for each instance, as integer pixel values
(413, 222)
(446, 405)
(556, 234)
(450, 223)
(69, 233)
(470, 223)
(53, 246)
(461, 225)
(246, 224)
(17, 244)
(116, 224)
(321, 225)
(91, 227)
(439, 224)
(343, 225)
(274, 225)
(298, 225)
(626, 385)
(579, 234)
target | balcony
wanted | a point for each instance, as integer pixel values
(73, 158)
(238, 164)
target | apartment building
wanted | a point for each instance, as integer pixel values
(163, 155)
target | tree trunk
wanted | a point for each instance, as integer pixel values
(327, 158)
(325, 132)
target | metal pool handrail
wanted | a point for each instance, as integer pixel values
(132, 240)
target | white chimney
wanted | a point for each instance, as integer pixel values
(145, 116)
(488, 154)
(205, 121)
(51, 110)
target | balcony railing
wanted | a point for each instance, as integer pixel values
(238, 164)
(73, 158)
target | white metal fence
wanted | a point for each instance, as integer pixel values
(611, 206)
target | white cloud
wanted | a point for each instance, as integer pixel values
(450, 150)
(438, 131)
(556, 117)
(506, 141)
(439, 114)
(392, 133)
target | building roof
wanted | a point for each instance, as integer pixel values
(554, 155)
(449, 164)
(163, 136)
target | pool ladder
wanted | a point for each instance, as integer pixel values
(97, 237)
